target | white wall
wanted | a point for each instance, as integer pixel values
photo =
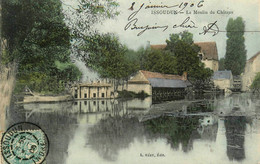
(147, 88)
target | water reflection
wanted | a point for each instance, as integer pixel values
(113, 134)
(59, 125)
(235, 134)
(179, 131)
(114, 131)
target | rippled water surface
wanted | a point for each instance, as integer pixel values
(205, 130)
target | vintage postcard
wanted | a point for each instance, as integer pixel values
(129, 82)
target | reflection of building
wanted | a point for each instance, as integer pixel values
(92, 90)
(208, 128)
(92, 106)
(223, 79)
(235, 133)
(138, 104)
(208, 53)
(251, 69)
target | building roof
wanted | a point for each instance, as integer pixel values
(159, 46)
(149, 75)
(209, 49)
(95, 85)
(253, 57)
(168, 83)
(160, 80)
(227, 74)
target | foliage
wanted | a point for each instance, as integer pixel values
(82, 23)
(105, 54)
(176, 129)
(159, 61)
(187, 60)
(67, 71)
(101, 52)
(112, 134)
(235, 58)
(82, 20)
(37, 37)
(129, 94)
(255, 86)
(221, 64)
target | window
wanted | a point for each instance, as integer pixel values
(85, 102)
(200, 56)
(94, 94)
(85, 95)
(94, 102)
(103, 94)
(76, 103)
(76, 95)
(103, 102)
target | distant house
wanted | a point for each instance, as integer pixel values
(153, 83)
(91, 90)
(251, 69)
(208, 53)
(223, 79)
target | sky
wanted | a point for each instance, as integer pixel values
(249, 10)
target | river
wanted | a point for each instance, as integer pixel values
(210, 130)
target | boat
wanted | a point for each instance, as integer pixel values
(32, 97)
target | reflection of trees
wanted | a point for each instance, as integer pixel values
(112, 134)
(200, 106)
(58, 125)
(178, 130)
(235, 133)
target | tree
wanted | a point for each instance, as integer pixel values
(186, 54)
(255, 86)
(37, 37)
(221, 64)
(159, 61)
(235, 58)
(82, 21)
(105, 54)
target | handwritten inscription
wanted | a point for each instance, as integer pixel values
(210, 28)
(185, 22)
(133, 23)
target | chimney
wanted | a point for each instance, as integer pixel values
(148, 44)
(184, 76)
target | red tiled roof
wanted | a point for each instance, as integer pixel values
(149, 74)
(253, 57)
(159, 46)
(209, 49)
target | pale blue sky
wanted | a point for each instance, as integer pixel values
(249, 10)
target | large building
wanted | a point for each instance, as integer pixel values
(251, 69)
(154, 83)
(208, 53)
(92, 90)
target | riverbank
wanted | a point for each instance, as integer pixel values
(7, 81)
(42, 98)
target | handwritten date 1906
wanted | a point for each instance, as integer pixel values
(132, 24)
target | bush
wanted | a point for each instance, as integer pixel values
(130, 94)
(256, 83)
